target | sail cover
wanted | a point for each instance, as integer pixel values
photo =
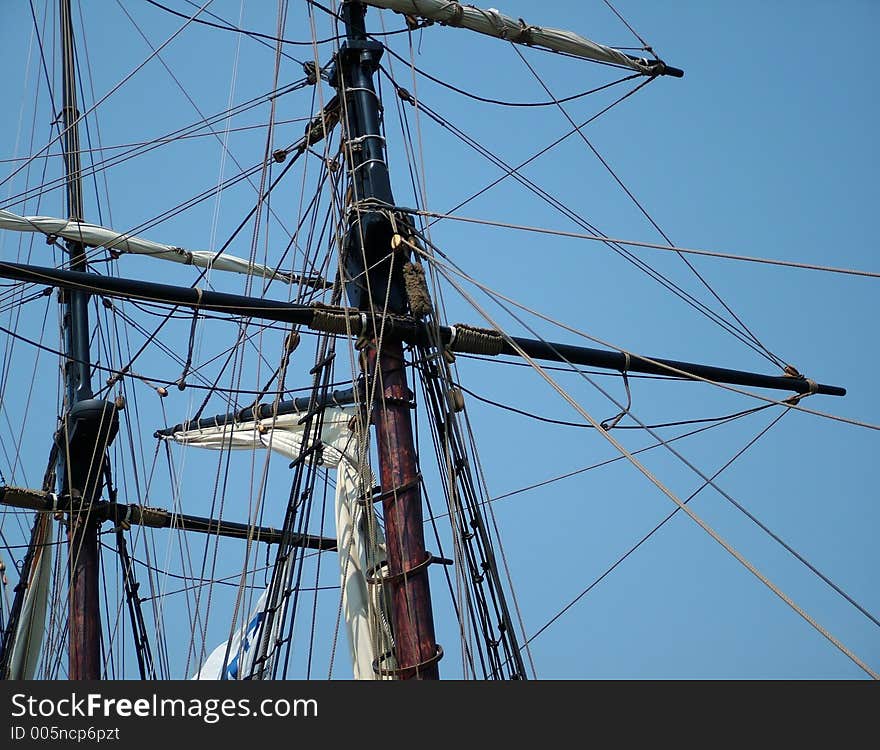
(93, 235)
(495, 23)
(360, 542)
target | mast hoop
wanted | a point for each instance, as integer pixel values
(350, 89)
(394, 491)
(383, 580)
(366, 162)
(405, 671)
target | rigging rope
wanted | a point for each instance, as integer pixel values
(673, 370)
(501, 102)
(569, 213)
(673, 497)
(638, 243)
(770, 355)
(115, 88)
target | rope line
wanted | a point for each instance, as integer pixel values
(673, 497)
(638, 243)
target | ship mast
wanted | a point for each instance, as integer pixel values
(376, 285)
(373, 261)
(90, 424)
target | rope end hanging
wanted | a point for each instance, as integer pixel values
(181, 381)
(610, 424)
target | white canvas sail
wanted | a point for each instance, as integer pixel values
(28, 641)
(360, 542)
(93, 235)
(494, 23)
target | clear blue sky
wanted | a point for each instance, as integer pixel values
(767, 147)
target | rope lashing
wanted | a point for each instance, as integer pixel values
(182, 252)
(474, 340)
(496, 19)
(812, 387)
(524, 35)
(148, 516)
(457, 16)
(339, 320)
(123, 524)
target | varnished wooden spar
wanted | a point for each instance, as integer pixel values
(408, 330)
(124, 514)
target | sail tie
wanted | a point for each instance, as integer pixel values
(185, 254)
(456, 14)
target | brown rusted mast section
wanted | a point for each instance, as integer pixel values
(374, 272)
(89, 424)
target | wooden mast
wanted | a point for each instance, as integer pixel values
(375, 282)
(89, 424)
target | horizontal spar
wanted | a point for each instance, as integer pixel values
(234, 530)
(458, 338)
(158, 518)
(263, 411)
(114, 286)
(604, 359)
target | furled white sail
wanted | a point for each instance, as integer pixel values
(495, 23)
(93, 235)
(29, 634)
(360, 542)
